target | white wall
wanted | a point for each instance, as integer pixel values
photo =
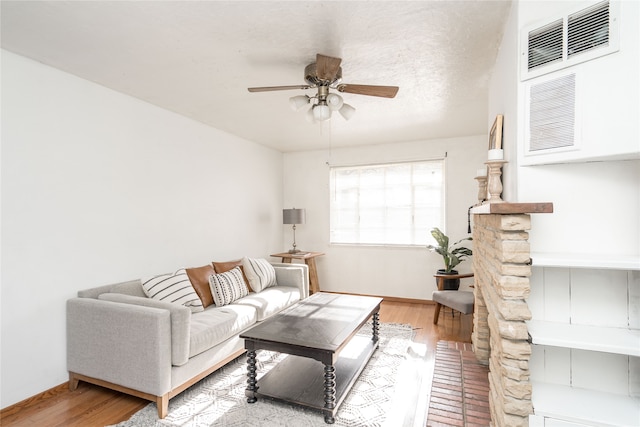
(98, 187)
(607, 89)
(399, 271)
(596, 204)
(503, 91)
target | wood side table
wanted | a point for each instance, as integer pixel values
(309, 259)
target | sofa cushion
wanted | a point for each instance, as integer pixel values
(173, 288)
(259, 272)
(216, 324)
(228, 287)
(199, 278)
(221, 267)
(270, 301)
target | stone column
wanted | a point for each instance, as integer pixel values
(501, 262)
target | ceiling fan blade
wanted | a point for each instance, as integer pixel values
(327, 67)
(270, 88)
(383, 91)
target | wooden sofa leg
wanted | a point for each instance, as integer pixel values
(73, 381)
(436, 313)
(162, 402)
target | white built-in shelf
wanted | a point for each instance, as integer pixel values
(585, 407)
(597, 261)
(585, 337)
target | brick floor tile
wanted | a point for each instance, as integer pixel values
(460, 388)
(469, 421)
(450, 384)
(483, 408)
(454, 407)
(476, 397)
(437, 420)
(437, 424)
(457, 400)
(448, 414)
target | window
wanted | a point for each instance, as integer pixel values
(386, 204)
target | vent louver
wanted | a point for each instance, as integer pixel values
(569, 39)
(552, 114)
(588, 29)
(545, 45)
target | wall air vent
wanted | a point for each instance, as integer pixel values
(588, 29)
(545, 45)
(569, 39)
(551, 122)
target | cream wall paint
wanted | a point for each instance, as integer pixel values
(405, 272)
(99, 187)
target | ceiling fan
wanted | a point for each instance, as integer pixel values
(325, 74)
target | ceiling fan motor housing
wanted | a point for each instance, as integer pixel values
(311, 76)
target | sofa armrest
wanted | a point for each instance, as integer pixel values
(294, 275)
(180, 322)
(124, 344)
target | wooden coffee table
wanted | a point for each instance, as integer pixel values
(320, 328)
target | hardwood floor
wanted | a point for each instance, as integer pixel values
(91, 405)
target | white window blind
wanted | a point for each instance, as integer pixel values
(386, 204)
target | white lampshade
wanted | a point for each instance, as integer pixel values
(321, 112)
(347, 111)
(309, 116)
(334, 101)
(299, 101)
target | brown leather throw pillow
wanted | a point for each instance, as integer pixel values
(199, 278)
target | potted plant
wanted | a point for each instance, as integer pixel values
(451, 254)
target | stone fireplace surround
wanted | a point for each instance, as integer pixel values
(502, 267)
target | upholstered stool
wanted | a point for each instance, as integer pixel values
(457, 300)
(461, 301)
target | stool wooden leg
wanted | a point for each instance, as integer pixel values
(436, 313)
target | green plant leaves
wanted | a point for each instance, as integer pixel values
(451, 255)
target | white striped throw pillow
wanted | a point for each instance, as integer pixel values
(260, 273)
(228, 286)
(173, 288)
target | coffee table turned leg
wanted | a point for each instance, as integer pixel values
(376, 326)
(252, 388)
(329, 392)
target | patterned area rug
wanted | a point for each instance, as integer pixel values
(384, 395)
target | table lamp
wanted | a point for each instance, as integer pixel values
(294, 216)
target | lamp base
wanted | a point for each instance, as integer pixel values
(294, 251)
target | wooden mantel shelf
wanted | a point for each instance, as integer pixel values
(506, 208)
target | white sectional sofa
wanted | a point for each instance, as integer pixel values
(118, 337)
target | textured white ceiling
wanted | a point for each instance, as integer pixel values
(198, 57)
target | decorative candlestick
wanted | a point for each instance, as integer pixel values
(494, 181)
(482, 188)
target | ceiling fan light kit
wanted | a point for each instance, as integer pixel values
(297, 102)
(321, 112)
(334, 101)
(326, 74)
(347, 111)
